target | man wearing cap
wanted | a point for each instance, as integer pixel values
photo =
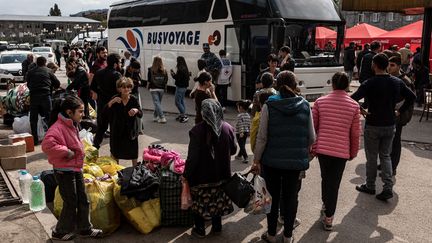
(406, 55)
(213, 63)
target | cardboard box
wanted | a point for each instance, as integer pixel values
(14, 163)
(13, 150)
(27, 137)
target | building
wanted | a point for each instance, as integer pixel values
(30, 28)
(386, 21)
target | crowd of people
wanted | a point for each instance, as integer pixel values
(285, 132)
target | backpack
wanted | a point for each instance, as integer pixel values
(159, 80)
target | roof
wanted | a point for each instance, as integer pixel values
(40, 18)
(414, 30)
(404, 6)
(323, 32)
(361, 31)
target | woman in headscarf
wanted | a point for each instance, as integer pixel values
(212, 143)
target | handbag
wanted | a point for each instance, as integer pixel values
(239, 189)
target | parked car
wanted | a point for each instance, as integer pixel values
(10, 66)
(45, 51)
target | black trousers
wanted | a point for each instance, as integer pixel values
(39, 106)
(278, 180)
(222, 94)
(200, 223)
(102, 124)
(396, 147)
(332, 169)
(242, 145)
(75, 211)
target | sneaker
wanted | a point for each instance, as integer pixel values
(155, 119)
(384, 195)
(178, 117)
(162, 120)
(198, 233)
(62, 237)
(288, 239)
(268, 238)
(184, 119)
(297, 222)
(94, 233)
(327, 223)
(238, 157)
(365, 189)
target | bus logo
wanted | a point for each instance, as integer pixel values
(132, 42)
(215, 39)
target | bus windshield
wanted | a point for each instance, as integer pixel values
(312, 44)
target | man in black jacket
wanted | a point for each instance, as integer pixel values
(383, 92)
(366, 50)
(80, 83)
(366, 71)
(26, 65)
(349, 60)
(41, 82)
(104, 85)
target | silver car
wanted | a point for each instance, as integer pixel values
(10, 65)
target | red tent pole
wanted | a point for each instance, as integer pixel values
(426, 36)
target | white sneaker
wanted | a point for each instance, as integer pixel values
(156, 119)
(162, 120)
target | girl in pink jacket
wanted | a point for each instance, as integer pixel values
(66, 153)
(337, 124)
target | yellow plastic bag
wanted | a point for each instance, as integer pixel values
(105, 160)
(140, 221)
(92, 112)
(123, 202)
(104, 213)
(150, 212)
(88, 176)
(58, 203)
(91, 153)
(93, 169)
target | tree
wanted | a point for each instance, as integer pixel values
(55, 11)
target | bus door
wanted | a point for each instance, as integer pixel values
(254, 49)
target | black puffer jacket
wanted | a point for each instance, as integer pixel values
(138, 182)
(41, 81)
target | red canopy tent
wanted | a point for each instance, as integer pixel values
(411, 34)
(361, 34)
(322, 36)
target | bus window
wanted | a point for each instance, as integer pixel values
(172, 13)
(220, 10)
(249, 9)
(144, 15)
(232, 45)
(301, 39)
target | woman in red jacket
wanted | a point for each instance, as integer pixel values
(337, 124)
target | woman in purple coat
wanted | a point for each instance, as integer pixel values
(212, 143)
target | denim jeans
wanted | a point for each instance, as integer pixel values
(378, 141)
(76, 207)
(157, 101)
(179, 99)
(287, 181)
(39, 106)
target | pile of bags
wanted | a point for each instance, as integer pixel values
(17, 100)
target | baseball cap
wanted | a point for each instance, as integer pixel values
(206, 45)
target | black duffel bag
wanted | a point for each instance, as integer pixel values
(239, 189)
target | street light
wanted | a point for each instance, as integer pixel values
(101, 29)
(57, 30)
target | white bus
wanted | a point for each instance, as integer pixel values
(249, 30)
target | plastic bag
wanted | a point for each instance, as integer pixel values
(21, 125)
(91, 153)
(86, 135)
(93, 169)
(186, 198)
(42, 127)
(261, 201)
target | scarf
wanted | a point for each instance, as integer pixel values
(212, 114)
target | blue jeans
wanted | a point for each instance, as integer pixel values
(179, 99)
(378, 141)
(157, 101)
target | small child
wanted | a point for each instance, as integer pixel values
(262, 99)
(124, 113)
(66, 153)
(243, 128)
(201, 69)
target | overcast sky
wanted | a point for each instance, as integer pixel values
(42, 7)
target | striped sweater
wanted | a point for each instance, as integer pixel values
(243, 123)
